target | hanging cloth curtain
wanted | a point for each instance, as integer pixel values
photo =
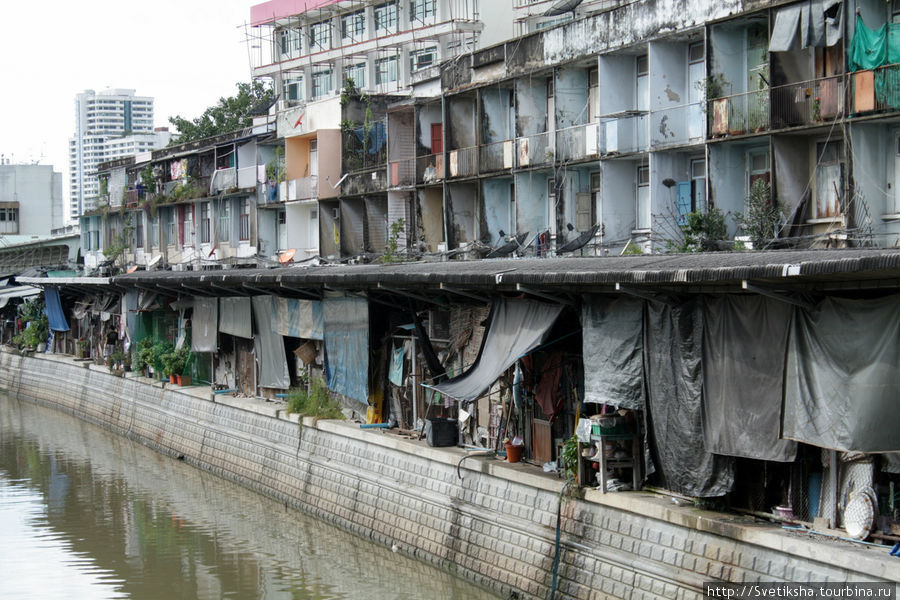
(204, 324)
(54, 310)
(612, 346)
(234, 317)
(347, 347)
(515, 328)
(273, 367)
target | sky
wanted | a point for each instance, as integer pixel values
(186, 54)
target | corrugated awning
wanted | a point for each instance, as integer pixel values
(22, 291)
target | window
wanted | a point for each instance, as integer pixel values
(288, 41)
(320, 36)
(204, 222)
(385, 17)
(425, 57)
(293, 89)
(188, 226)
(357, 73)
(696, 52)
(245, 219)
(139, 230)
(420, 10)
(154, 231)
(353, 26)
(321, 83)
(386, 70)
(224, 229)
(642, 91)
(642, 210)
(170, 226)
(829, 180)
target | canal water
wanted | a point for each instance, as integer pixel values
(87, 514)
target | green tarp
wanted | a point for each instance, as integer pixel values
(872, 48)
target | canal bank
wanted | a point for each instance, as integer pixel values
(495, 525)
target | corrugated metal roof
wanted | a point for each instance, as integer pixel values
(560, 274)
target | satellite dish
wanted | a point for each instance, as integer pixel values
(132, 269)
(859, 513)
(154, 261)
(287, 256)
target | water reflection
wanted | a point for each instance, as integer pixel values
(87, 514)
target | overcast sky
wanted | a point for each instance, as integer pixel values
(186, 54)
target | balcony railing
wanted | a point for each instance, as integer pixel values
(304, 188)
(464, 162)
(496, 156)
(625, 133)
(578, 142)
(677, 125)
(222, 180)
(876, 90)
(247, 177)
(133, 197)
(535, 150)
(430, 168)
(739, 113)
(807, 102)
(402, 172)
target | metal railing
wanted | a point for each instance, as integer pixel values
(677, 125)
(876, 90)
(402, 172)
(534, 150)
(738, 113)
(496, 156)
(430, 168)
(464, 162)
(807, 102)
(578, 142)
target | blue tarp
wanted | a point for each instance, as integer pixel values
(347, 347)
(377, 137)
(273, 368)
(54, 311)
(299, 318)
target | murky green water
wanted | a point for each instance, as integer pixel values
(85, 514)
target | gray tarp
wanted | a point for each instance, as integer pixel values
(613, 345)
(743, 376)
(273, 368)
(234, 317)
(515, 328)
(299, 318)
(816, 28)
(205, 325)
(347, 347)
(841, 384)
(673, 357)
(130, 300)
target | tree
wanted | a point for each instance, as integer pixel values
(227, 115)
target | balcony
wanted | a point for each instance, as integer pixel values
(304, 188)
(739, 114)
(677, 125)
(464, 162)
(430, 168)
(496, 156)
(578, 142)
(222, 180)
(876, 90)
(133, 197)
(402, 172)
(247, 177)
(535, 150)
(624, 133)
(807, 102)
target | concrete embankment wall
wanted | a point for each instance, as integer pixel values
(495, 525)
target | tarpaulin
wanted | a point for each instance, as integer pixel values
(54, 310)
(612, 341)
(744, 338)
(234, 317)
(818, 22)
(273, 367)
(515, 328)
(299, 318)
(867, 48)
(396, 373)
(204, 325)
(673, 369)
(130, 303)
(347, 347)
(841, 384)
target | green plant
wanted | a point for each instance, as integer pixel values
(569, 459)
(391, 253)
(314, 403)
(143, 354)
(632, 249)
(38, 328)
(763, 216)
(160, 349)
(173, 363)
(120, 243)
(275, 168)
(702, 232)
(713, 86)
(148, 178)
(116, 358)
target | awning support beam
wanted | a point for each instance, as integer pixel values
(650, 297)
(531, 292)
(465, 294)
(780, 296)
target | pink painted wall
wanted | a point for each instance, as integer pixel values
(278, 9)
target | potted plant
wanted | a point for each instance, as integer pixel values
(82, 348)
(174, 363)
(160, 349)
(143, 356)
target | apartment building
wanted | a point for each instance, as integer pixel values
(31, 201)
(109, 124)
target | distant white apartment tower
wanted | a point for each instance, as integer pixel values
(31, 201)
(311, 48)
(109, 124)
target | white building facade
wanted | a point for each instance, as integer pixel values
(31, 201)
(109, 124)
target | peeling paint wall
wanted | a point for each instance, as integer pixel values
(617, 201)
(790, 170)
(726, 55)
(728, 177)
(329, 229)
(531, 105)
(427, 114)
(401, 134)
(464, 215)
(571, 91)
(353, 224)
(577, 181)
(619, 69)
(497, 115)
(461, 130)
(431, 217)
(532, 210)
(668, 90)
(329, 162)
(377, 224)
(498, 207)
